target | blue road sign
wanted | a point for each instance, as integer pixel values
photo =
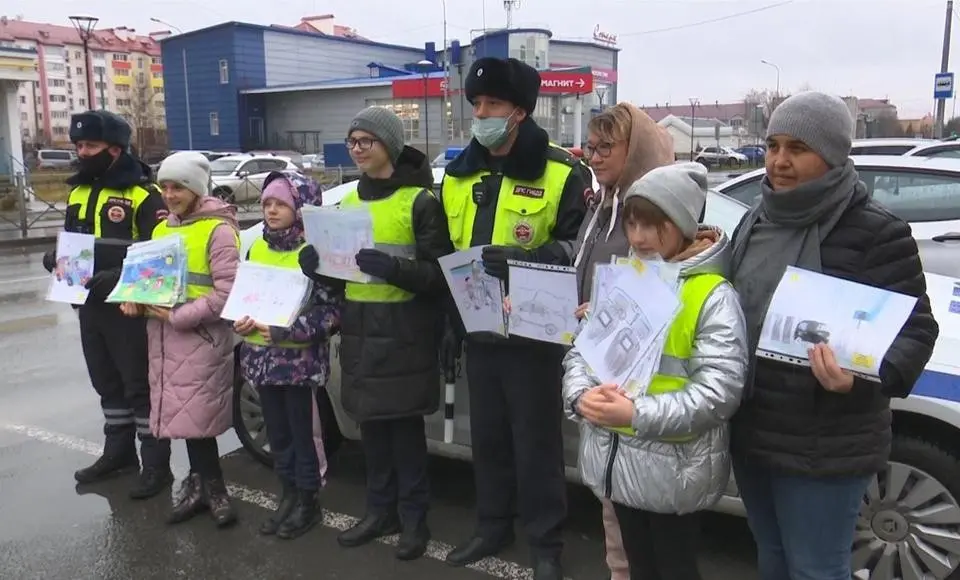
(943, 86)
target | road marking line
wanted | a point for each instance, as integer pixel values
(493, 566)
(22, 280)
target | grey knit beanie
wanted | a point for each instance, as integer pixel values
(383, 124)
(188, 168)
(821, 121)
(679, 190)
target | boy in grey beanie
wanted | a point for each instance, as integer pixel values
(821, 121)
(680, 191)
(383, 124)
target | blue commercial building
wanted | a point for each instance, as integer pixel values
(237, 86)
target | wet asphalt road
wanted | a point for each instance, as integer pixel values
(51, 530)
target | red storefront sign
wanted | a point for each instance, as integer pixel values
(413, 87)
(563, 82)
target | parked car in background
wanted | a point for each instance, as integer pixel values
(886, 146)
(239, 178)
(754, 153)
(56, 159)
(719, 156)
(446, 157)
(313, 162)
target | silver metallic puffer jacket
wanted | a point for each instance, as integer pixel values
(658, 476)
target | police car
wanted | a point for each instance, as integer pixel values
(910, 519)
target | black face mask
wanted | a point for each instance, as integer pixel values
(96, 165)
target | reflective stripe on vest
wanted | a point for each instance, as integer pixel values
(261, 253)
(196, 240)
(393, 234)
(672, 374)
(526, 210)
(130, 199)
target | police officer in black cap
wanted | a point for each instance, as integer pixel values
(114, 199)
(522, 198)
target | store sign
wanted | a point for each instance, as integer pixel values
(414, 87)
(600, 75)
(604, 37)
(562, 82)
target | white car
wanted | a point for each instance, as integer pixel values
(239, 178)
(910, 520)
(907, 147)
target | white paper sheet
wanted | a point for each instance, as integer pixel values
(621, 328)
(543, 299)
(73, 269)
(858, 322)
(267, 294)
(338, 234)
(479, 296)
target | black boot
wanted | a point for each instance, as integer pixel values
(413, 540)
(547, 568)
(156, 474)
(219, 502)
(118, 458)
(189, 501)
(371, 527)
(288, 501)
(303, 518)
(478, 548)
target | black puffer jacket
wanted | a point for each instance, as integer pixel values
(793, 425)
(389, 351)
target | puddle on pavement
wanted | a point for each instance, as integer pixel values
(20, 296)
(29, 323)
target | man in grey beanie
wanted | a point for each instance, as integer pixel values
(390, 329)
(816, 437)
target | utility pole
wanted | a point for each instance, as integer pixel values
(944, 66)
(693, 122)
(445, 107)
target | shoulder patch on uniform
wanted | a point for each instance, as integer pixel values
(561, 155)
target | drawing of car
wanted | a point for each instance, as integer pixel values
(70, 270)
(622, 351)
(812, 331)
(532, 309)
(618, 307)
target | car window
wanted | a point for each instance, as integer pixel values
(723, 212)
(250, 167)
(745, 192)
(915, 196)
(223, 166)
(881, 149)
(271, 165)
(949, 152)
(55, 155)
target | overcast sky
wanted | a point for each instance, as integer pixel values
(671, 49)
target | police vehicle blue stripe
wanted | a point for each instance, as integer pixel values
(938, 385)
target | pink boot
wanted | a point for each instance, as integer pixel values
(616, 556)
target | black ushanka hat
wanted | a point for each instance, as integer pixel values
(507, 79)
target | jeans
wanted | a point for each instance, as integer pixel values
(803, 526)
(288, 413)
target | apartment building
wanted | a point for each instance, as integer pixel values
(124, 75)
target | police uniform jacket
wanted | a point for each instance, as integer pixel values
(388, 350)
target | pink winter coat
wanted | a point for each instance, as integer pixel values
(191, 355)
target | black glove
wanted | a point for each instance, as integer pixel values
(495, 259)
(309, 262)
(102, 283)
(451, 348)
(377, 264)
(50, 260)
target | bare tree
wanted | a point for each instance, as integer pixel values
(760, 103)
(141, 111)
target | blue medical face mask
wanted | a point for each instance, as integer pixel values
(492, 132)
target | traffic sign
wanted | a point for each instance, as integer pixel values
(566, 82)
(943, 86)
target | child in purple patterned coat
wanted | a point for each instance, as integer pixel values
(287, 365)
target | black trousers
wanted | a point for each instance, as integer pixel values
(659, 546)
(516, 414)
(288, 413)
(115, 349)
(395, 451)
(204, 456)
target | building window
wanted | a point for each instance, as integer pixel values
(156, 60)
(158, 75)
(99, 70)
(224, 72)
(121, 72)
(79, 71)
(56, 67)
(23, 99)
(158, 90)
(82, 102)
(214, 124)
(56, 83)
(119, 56)
(407, 110)
(58, 98)
(76, 54)
(139, 62)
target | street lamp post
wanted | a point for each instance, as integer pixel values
(186, 83)
(693, 122)
(768, 63)
(85, 26)
(425, 66)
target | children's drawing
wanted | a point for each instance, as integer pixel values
(858, 322)
(543, 299)
(154, 272)
(478, 296)
(73, 268)
(622, 333)
(268, 294)
(338, 234)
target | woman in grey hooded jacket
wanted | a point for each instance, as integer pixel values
(662, 455)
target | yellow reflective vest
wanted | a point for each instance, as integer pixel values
(118, 208)
(393, 234)
(526, 210)
(673, 375)
(196, 239)
(261, 253)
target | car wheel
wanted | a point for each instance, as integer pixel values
(248, 420)
(909, 524)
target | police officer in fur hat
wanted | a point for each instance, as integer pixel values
(522, 198)
(114, 199)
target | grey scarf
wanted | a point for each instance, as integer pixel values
(786, 229)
